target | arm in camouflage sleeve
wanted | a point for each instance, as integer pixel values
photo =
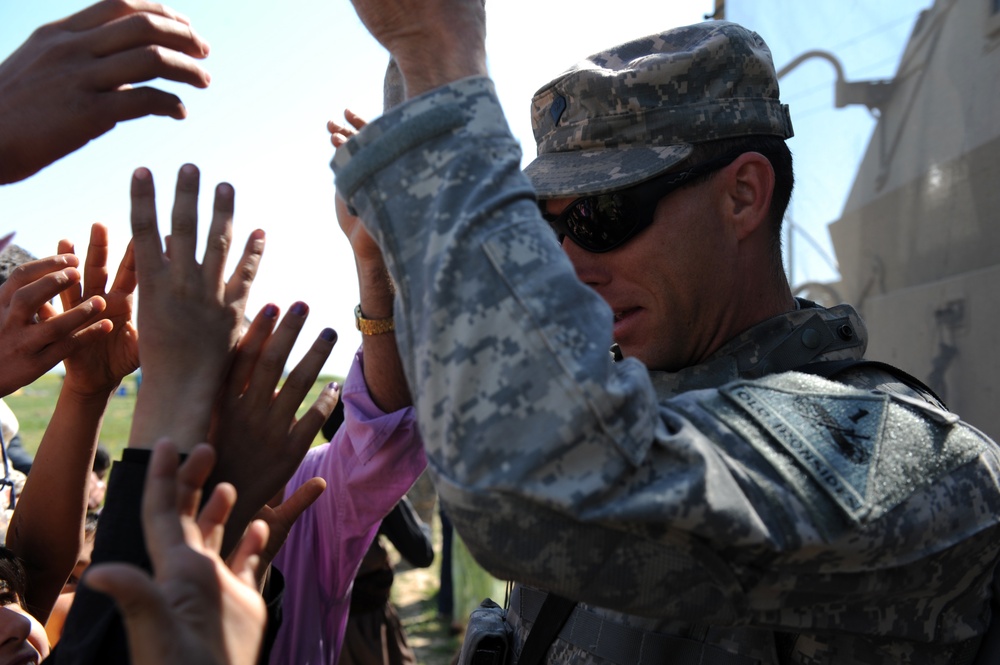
(559, 467)
(529, 425)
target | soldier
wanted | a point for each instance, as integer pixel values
(710, 494)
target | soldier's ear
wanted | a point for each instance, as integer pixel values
(748, 184)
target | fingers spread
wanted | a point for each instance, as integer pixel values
(272, 359)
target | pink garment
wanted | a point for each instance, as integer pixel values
(372, 461)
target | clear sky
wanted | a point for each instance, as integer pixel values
(279, 71)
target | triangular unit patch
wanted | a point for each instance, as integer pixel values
(835, 439)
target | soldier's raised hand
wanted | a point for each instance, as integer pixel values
(434, 42)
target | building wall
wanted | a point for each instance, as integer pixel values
(918, 242)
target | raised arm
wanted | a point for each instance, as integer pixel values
(72, 80)
(47, 526)
(190, 317)
(433, 42)
(383, 367)
(258, 440)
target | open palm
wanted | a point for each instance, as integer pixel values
(102, 365)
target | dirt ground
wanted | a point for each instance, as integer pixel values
(414, 592)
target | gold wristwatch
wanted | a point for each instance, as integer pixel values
(372, 326)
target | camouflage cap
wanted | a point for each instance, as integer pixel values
(629, 113)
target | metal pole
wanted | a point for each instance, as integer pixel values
(720, 11)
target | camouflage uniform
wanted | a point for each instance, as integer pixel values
(769, 513)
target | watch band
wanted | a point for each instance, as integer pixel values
(373, 326)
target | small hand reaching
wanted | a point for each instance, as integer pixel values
(35, 336)
(365, 248)
(100, 366)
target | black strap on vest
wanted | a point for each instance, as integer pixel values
(552, 617)
(608, 640)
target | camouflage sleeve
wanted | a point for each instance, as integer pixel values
(559, 467)
(504, 349)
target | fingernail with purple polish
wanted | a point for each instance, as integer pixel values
(270, 311)
(299, 309)
(329, 335)
(334, 386)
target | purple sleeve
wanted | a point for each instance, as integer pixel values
(372, 461)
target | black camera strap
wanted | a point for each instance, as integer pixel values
(552, 617)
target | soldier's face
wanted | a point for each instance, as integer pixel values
(669, 286)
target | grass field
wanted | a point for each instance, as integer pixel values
(33, 406)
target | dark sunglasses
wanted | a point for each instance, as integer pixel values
(603, 222)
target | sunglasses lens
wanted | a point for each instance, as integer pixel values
(600, 223)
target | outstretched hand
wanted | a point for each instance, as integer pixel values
(364, 246)
(100, 366)
(258, 441)
(35, 336)
(383, 366)
(281, 517)
(71, 81)
(197, 610)
(189, 316)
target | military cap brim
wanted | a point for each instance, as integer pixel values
(628, 114)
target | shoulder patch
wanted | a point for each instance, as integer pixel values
(835, 439)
